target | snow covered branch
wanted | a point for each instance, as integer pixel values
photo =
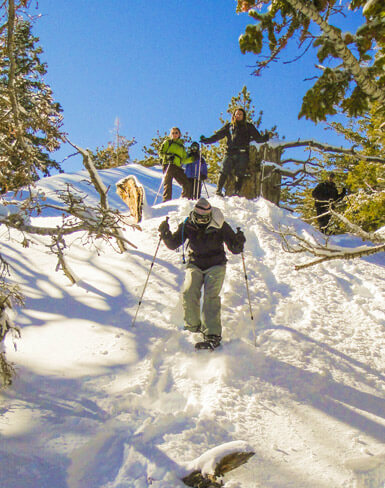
(323, 251)
(78, 216)
(102, 190)
(357, 230)
(311, 143)
(89, 222)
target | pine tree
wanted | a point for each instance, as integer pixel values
(117, 152)
(365, 180)
(30, 120)
(352, 75)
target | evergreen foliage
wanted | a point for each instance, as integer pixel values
(352, 81)
(30, 120)
(30, 130)
(365, 180)
(364, 205)
(347, 83)
(117, 152)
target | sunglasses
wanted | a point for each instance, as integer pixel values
(201, 219)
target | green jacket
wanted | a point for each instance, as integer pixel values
(175, 148)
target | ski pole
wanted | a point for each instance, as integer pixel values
(246, 281)
(148, 277)
(248, 297)
(204, 184)
(194, 192)
(161, 183)
(199, 171)
(247, 286)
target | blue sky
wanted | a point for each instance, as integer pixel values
(158, 64)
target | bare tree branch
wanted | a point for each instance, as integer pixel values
(344, 255)
(322, 250)
(102, 190)
(311, 143)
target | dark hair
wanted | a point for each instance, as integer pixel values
(194, 147)
(233, 120)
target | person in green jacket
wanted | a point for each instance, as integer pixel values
(172, 154)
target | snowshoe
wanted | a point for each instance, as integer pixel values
(210, 342)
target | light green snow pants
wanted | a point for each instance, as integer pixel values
(212, 280)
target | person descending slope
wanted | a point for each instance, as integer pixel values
(239, 134)
(196, 171)
(206, 231)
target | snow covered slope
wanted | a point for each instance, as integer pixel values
(98, 403)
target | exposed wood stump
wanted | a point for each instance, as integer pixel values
(263, 177)
(132, 193)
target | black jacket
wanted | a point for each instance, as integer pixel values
(326, 191)
(238, 136)
(205, 246)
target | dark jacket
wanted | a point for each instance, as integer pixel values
(196, 167)
(205, 245)
(238, 136)
(326, 191)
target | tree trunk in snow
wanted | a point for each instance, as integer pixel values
(262, 179)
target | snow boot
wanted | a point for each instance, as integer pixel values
(221, 182)
(238, 186)
(210, 342)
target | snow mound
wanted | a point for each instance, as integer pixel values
(98, 403)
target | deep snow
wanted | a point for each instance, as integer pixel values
(98, 403)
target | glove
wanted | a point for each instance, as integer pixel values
(170, 158)
(240, 238)
(164, 228)
(203, 139)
